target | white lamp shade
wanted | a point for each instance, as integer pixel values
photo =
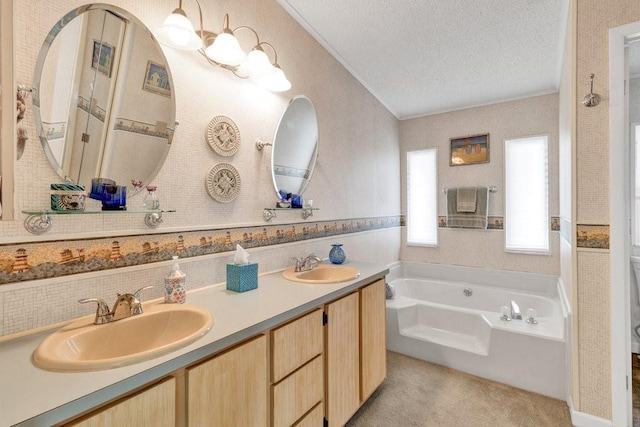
(225, 49)
(274, 81)
(177, 31)
(256, 64)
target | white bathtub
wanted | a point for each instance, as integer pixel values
(432, 319)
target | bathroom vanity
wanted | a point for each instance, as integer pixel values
(285, 353)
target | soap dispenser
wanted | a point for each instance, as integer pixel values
(175, 284)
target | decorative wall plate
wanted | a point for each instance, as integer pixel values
(223, 136)
(223, 182)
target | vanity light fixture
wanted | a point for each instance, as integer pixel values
(224, 50)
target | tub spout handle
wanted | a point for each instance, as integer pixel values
(504, 310)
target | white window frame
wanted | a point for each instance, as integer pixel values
(422, 200)
(520, 191)
(634, 133)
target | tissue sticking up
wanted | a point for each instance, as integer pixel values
(241, 256)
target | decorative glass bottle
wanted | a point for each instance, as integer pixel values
(336, 254)
(151, 201)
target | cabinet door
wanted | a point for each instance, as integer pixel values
(153, 407)
(373, 351)
(230, 389)
(342, 359)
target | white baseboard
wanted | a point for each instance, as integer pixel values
(582, 419)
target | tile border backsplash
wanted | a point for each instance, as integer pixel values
(44, 260)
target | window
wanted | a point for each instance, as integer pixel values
(635, 138)
(422, 212)
(526, 194)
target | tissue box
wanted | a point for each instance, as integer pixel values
(67, 197)
(241, 278)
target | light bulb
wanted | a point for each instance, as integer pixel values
(225, 49)
(256, 64)
(177, 31)
(274, 81)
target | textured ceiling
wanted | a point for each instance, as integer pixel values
(421, 57)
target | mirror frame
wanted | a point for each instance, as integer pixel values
(8, 112)
(39, 65)
(313, 161)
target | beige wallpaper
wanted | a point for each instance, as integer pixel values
(357, 174)
(594, 19)
(484, 248)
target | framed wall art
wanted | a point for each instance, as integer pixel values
(469, 150)
(102, 57)
(156, 79)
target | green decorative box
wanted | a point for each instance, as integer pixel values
(67, 197)
(241, 278)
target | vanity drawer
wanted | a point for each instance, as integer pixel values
(295, 343)
(314, 418)
(298, 393)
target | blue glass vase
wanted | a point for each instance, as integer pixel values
(336, 254)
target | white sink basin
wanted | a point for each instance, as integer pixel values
(323, 273)
(161, 329)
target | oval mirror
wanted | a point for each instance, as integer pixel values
(295, 147)
(103, 104)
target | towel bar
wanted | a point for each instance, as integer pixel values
(492, 189)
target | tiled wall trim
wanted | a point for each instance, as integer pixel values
(497, 223)
(42, 260)
(592, 236)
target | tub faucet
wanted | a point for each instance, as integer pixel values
(304, 264)
(515, 311)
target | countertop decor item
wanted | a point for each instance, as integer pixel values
(223, 136)
(151, 201)
(175, 285)
(223, 182)
(336, 254)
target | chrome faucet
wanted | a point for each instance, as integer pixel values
(126, 305)
(304, 264)
(515, 311)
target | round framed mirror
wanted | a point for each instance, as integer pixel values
(103, 102)
(295, 147)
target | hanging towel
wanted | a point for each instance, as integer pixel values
(477, 219)
(466, 199)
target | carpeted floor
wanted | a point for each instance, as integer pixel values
(421, 394)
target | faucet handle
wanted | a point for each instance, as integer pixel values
(137, 308)
(103, 314)
(136, 294)
(504, 310)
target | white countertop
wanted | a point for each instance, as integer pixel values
(31, 396)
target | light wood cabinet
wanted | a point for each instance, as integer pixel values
(231, 388)
(314, 417)
(153, 407)
(297, 371)
(295, 343)
(319, 367)
(355, 350)
(297, 393)
(342, 353)
(373, 343)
